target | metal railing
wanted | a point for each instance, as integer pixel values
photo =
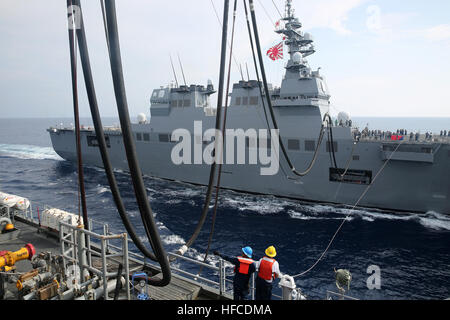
(76, 249)
(341, 296)
(224, 273)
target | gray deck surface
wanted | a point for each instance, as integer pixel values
(179, 288)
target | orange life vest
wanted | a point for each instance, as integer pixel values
(244, 265)
(265, 269)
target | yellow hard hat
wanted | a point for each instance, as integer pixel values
(271, 252)
(9, 227)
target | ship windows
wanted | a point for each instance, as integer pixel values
(174, 103)
(139, 136)
(238, 101)
(355, 158)
(310, 145)
(335, 146)
(245, 101)
(253, 101)
(362, 177)
(187, 103)
(293, 144)
(164, 137)
(92, 141)
(146, 137)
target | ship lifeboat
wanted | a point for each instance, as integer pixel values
(13, 201)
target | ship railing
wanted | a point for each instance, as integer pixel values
(76, 249)
(215, 277)
(220, 277)
(340, 296)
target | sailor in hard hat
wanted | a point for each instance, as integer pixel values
(268, 270)
(244, 266)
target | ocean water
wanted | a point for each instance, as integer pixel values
(412, 251)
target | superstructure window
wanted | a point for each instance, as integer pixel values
(238, 101)
(92, 141)
(174, 103)
(310, 145)
(187, 103)
(293, 144)
(362, 177)
(245, 101)
(355, 158)
(139, 136)
(146, 137)
(253, 101)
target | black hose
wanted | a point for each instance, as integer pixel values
(269, 102)
(130, 148)
(218, 124)
(258, 79)
(73, 64)
(92, 98)
(224, 125)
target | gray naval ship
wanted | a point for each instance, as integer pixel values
(376, 172)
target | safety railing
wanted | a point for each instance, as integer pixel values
(76, 249)
(340, 296)
(222, 274)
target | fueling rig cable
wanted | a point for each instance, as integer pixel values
(212, 173)
(130, 148)
(350, 212)
(91, 94)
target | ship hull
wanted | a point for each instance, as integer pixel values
(401, 184)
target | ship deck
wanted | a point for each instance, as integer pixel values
(180, 288)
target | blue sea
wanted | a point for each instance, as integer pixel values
(412, 251)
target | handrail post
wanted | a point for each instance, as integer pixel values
(126, 265)
(221, 277)
(253, 286)
(104, 270)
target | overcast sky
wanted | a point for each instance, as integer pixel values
(380, 58)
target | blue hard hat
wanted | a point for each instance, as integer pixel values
(248, 251)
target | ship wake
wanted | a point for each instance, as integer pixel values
(28, 152)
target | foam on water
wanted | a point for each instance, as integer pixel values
(28, 152)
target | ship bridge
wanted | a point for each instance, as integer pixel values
(164, 99)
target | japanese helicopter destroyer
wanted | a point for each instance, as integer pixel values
(410, 175)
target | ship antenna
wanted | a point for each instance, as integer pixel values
(173, 69)
(242, 74)
(248, 74)
(182, 71)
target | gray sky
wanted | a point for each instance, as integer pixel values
(380, 58)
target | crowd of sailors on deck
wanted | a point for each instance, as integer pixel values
(388, 135)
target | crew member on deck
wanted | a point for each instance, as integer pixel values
(244, 266)
(268, 270)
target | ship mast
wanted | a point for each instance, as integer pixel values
(300, 44)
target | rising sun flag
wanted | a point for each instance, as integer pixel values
(276, 52)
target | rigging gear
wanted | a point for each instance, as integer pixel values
(90, 89)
